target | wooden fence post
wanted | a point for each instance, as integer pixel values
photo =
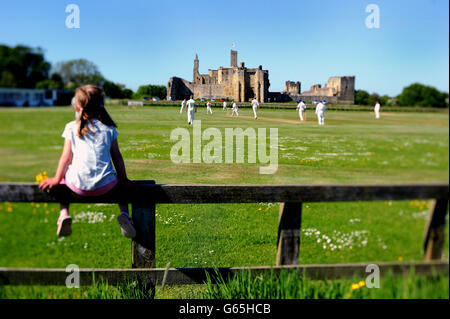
(434, 230)
(288, 242)
(143, 245)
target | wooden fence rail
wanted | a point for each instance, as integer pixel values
(147, 194)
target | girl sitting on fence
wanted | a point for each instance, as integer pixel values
(85, 166)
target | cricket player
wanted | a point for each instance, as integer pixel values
(255, 105)
(183, 106)
(301, 107)
(377, 110)
(191, 108)
(320, 112)
(234, 109)
(208, 107)
(224, 105)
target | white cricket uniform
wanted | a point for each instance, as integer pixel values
(183, 106)
(234, 109)
(320, 112)
(301, 107)
(255, 105)
(190, 111)
(224, 105)
(377, 110)
(208, 108)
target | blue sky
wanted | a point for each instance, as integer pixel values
(138, 42)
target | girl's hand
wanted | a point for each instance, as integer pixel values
(48, 183)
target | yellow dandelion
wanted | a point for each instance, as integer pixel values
(361, 283)
(47, 212)
(1, 207)
(259, 208)
(45, 205)
(355, 286)
(32, 203)
(34, 211)
(267, 208)
(349, 295)
(400, 258)
(52, 209)
(38, 205)
(10, 209)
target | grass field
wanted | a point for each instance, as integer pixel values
(352, 147)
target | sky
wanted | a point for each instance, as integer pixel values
(138, 42)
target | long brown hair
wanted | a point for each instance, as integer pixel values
(91, 101)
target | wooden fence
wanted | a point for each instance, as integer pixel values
(145, 197)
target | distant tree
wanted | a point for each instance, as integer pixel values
(55, 82)
(127, 93)
(7, 80)
(384, 100)
(151, 91)
(422, 95)
(113, 90)
(22, 66)
(117, 90)
(373, 98)
(75, 73)
(361, 97)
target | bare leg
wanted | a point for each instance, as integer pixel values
(64, 210)
(64, 221)
(125, 222)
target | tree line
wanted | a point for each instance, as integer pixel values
(415, 94)
(25, 67)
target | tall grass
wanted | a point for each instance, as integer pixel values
(98, 290)
(292, 285)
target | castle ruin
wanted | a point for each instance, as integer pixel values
(241, 84)
(235, 82)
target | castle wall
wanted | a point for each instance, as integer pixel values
(293, 87)
(179, 89)
(209, 91)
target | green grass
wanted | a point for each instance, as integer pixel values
(291, 285)
(352, 147)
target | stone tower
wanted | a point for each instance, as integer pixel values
(196, 73)
(233, 56)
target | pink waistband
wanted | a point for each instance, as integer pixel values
(96, 192)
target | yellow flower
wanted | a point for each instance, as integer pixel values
(1, 207)
(32, 203)
(45, 204)
(355, 286)
(400, 258)
(40, 177)
(47, 211)
(9, 209)
(267, 208)
(259, 208)
(362, 283)
(34, 211)
(349, 295)
(38, 205)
